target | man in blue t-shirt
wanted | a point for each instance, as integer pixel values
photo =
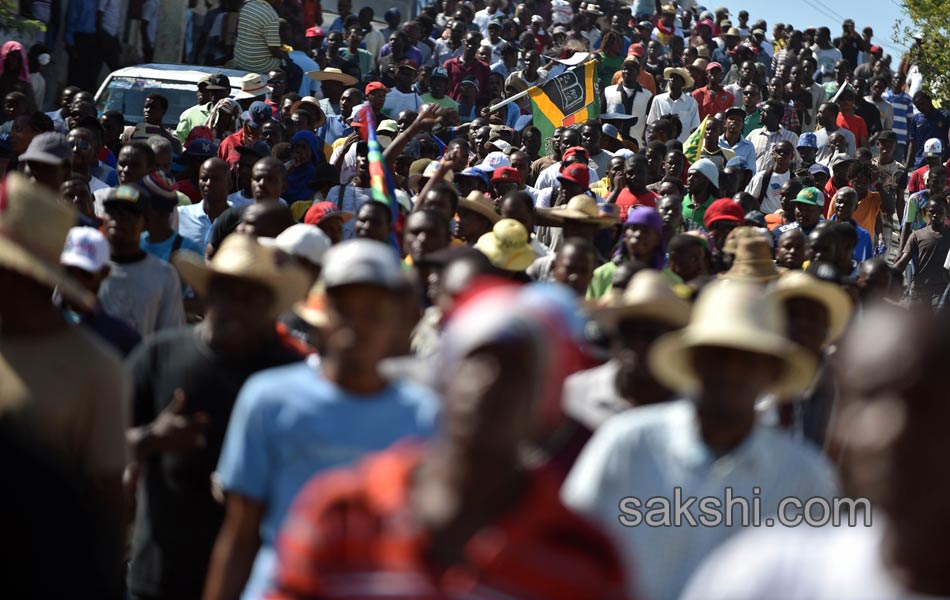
(293, 422)
(928, 122)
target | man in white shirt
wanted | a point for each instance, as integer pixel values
(771, 133)
(402, 97)
(676, 102)
(485, 16)
(706, 446)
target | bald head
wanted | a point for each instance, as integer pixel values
(214, 181)
(266, 219)
(268, 179)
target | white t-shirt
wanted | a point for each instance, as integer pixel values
(771, 202)
(396, 102)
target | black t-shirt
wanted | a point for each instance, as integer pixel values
(226, 223)
(177, 519)
(928, 250)
(850, 46)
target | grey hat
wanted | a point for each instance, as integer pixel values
(365, 262)
(49, 148)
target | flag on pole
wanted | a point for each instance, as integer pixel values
(693, 148)
(382, 187)
(571, 97)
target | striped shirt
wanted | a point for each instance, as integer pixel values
(902, 108)
(653, 450)
(257, 32)
(764, 141)
(352, 534)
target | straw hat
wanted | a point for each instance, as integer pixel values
(753, 261)
(507, 246)
(252, 86)
(332, 74)
(33, 229)
(480, 203)
(244, 257)
(682, 73)
(796, 284)
(737, 315)
(313, 309)
(582, 208)
(647, 296)
(314, 105)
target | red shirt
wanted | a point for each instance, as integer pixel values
(854, 124)
(627, 200)
(918, 179)
(227, 151)
(477, 70)
(184, 186)
(352, 534)
(711, 102)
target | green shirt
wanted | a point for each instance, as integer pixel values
(693, 217)
(607, 67)
(753, 121)
(444, 101)
(364, 59)
(191, 118)
(602, 281)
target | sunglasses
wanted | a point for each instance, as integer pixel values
(79, 144)
(750, 93)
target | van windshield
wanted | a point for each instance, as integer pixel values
(127, 94)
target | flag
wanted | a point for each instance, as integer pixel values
(693, 147)
(571, 97)
(382, 187)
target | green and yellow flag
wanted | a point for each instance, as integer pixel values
(693, 147)
(571, 97)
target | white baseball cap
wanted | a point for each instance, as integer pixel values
(305, 241)
(493, 161)
(933, 147)
(362, 261)
(86, 248)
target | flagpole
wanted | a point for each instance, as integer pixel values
(508, 101)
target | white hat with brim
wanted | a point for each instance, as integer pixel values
(735, 315)
(648, 296)
(797, 284)
(332, 74)
(243, 257)
(252, 86)
(478, 202)
(33, 229)
(687, 77)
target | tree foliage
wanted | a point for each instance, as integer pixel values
(15, 24)
(930, 20)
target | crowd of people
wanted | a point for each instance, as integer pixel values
(363, 328)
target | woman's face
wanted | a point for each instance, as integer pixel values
(13, 62)
(640, 241)
(301, 152)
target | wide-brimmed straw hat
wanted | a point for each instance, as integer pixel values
(507, 246)
(753, 256)
(796, 284)
(687, 77)
(478, 202)
(581, 208)
(647, 296)
(332, 74)
(33, 229)
(252, 86)
(736, 315)
(243, 257)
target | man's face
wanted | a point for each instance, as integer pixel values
(79, 109)
(484, 54)
(808, 215)
(78, 195)
(746, 72)
(713, 131)
(278, 82)
(123, 225)
(361, 325)
(472, 42)
(671, 212)
(822, 246)
(267, 182)
(630, 72)
(423, 236)
(790, 252)
(238, 313)
(844, 206)
(776, 89)
(438, 86)
(574, 268)
(213, 180)
(783, 154)
(861, 183)
(350, 99)
(750, 97)
(569, 139)
(377, 98)
(405, 75)
(697, 185)
(676, 84)
(457, 32)
(152, 111)
(590, 138)
(362, 166)
(936, 180)
(81, 142)
(131, 165)
(52, 176)
(936, 214)
(520, 161)
(635, 172)
(371, 222)
(734, 124)
(354, 36)
(878, 88)
(334, 42)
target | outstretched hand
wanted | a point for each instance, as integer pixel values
(175, 431)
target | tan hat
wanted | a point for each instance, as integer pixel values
(313, 309)
(732, 32)
(581, 208)
(753, 257)
(332, 74)
(700, 63)
(796, 284)
(682, 73)
(315, 104)
(732, 314)
(649, 296)
(507, 246)
(480, 203)
(252, 86)
(432, 167)
(242, 256)
(33, 230)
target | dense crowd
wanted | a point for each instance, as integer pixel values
(366, 327)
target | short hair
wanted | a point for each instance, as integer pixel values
(773, 106)
(921, 95)
(446, 188)
(683, 241)
(141, 146)
(582, 245)
(114, 115)
(159, 144)
(636, 160)
(441, 221)
(270, 160)
(520, 196)
(881, 78)
(676, 182)
(377, 205)
(656, 146)
(40, 122)
(663, 125)
(162, 100)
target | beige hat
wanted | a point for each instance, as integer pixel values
(252, 86)
(700, 63)
(479, 203)
(732, 314)
(682, 73)
(796, 284)
(314, 104)
(332, 74)
(507, 246)
(647, 296)
(242, 256)
(432, 167)
(581, 208)
(753, 256)
(33, 230)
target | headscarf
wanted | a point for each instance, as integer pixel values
(644, 215)
(225, 106)
(5, 50)
(300, 177)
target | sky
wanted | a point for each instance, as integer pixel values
(880, 15)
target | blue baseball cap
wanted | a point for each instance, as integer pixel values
(738, 162)
(808, 140)
(201, 148)
(260, 149)
(258, 114)
(473, 172)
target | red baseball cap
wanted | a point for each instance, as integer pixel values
(574, 150)
(315, 32)
(375, 85)
(635, 50)
(324, 210)
(724, 209)
(506, 174)
(577, 173)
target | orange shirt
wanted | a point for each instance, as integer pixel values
(645, 80)
(869, 208)
(351, 534)
(854, 124)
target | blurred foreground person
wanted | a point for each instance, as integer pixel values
(890, 429)
(733, 351)
(185, 383)
(415, 522)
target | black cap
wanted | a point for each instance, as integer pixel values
(215, 81)
(260, 149)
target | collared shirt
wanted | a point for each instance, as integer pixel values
(752, 122)
(652, 451)
(743, 149)
(864, 249)
(711, 102)
(825, 151)
(458, 72)
(191, 118)
(764, 140)
(110, 16)
(685, 107)
(319, 554)
(590, 396)
(693, 216)
(903, 108)
(257, 33)
(195, 225)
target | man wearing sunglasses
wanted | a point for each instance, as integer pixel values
(81, 142)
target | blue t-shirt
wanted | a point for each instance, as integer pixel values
(194, 224)
(290, 423)
(163, 250)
